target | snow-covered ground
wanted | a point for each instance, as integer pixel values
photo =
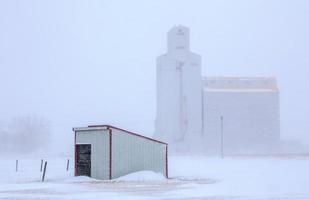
(190, 178)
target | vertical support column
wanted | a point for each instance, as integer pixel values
(110, 153)
(166, 161)
(222, 151)
(202, 114)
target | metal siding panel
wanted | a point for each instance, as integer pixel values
(99, 140)
(132, 153)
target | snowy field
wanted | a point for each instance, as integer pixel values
(190, 178)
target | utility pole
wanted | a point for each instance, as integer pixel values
(222, 153)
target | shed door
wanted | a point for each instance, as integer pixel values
(83, 160)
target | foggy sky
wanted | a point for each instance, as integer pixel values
(93, 62)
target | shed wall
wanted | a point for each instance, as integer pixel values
(99, 140)
(131, 153)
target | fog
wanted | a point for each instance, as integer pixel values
(77, 63)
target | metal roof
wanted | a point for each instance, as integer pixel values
(105, 127)
(248, 84)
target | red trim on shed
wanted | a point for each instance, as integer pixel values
(129, 132)
(110, 153)
(75, 155)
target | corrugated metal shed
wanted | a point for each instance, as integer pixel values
(107, 152)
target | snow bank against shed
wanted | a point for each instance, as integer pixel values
(142, 176)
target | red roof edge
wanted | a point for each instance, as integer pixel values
(129, 132)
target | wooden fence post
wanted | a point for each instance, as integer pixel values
(68, 164)
(16, 166)
(41, 165)
(44, 171)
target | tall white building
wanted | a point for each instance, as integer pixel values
(190, 108)
(179, 90)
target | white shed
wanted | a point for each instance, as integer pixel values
(107, 152)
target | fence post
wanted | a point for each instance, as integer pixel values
(44, 171)
(16, 166)
(41, 165)
(68, 164)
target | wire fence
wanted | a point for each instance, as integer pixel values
(35, 169)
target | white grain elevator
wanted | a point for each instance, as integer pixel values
(179, 91)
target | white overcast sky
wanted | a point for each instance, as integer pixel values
(93, 62)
